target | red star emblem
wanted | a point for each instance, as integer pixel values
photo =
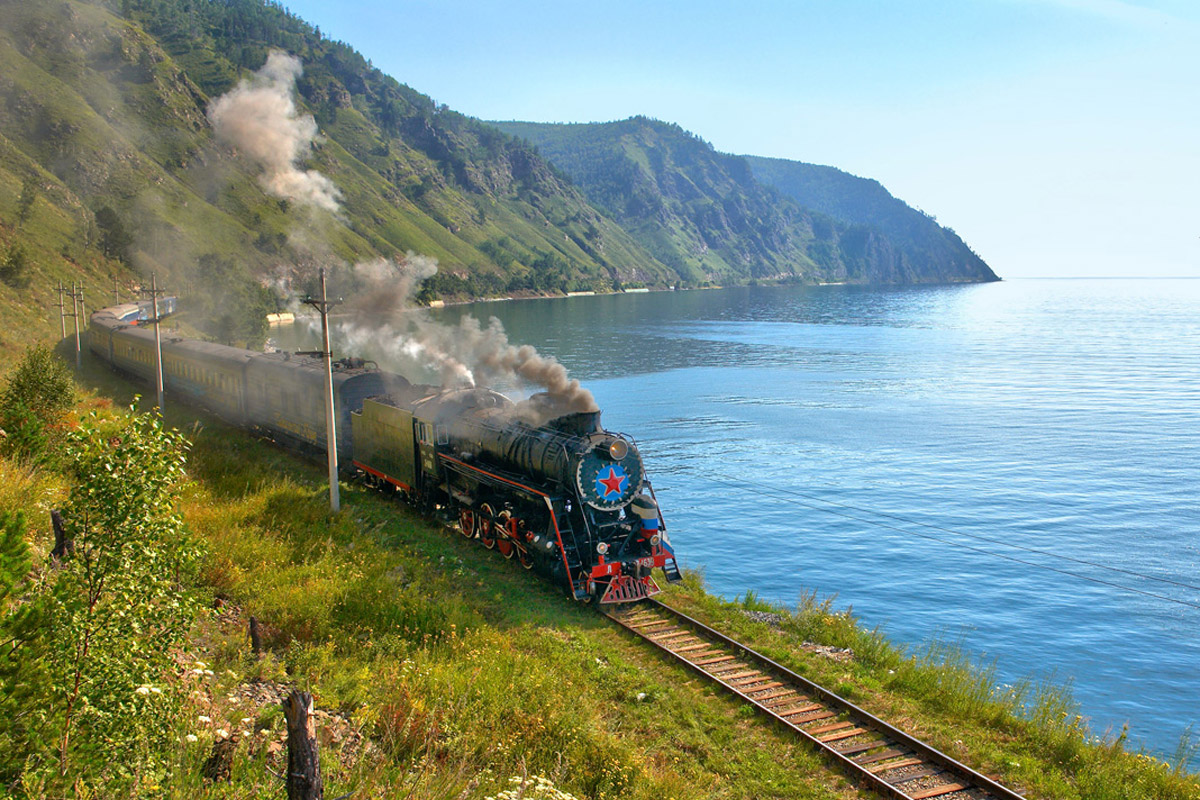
(612, 484)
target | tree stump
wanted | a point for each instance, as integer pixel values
(255, 637)
(304, 764)
(63, 546)
(219, 765)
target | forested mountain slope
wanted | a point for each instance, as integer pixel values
(856, 200)
(111, 168)
(109, 163)
(710, 213)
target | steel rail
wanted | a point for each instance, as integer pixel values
(745, 672)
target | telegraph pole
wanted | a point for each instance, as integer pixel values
(154, 292)
(62, 308)
(116, 292)
(322, 306)
(76, 299)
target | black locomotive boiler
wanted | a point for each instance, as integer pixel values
(565, 497)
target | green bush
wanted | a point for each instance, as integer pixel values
(43, 382)
(36, 394)
(87, 661)
(14, 268)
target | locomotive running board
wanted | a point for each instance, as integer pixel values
(627, 589)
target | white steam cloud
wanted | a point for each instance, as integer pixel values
(258, 118)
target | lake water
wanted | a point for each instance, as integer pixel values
(966, 463)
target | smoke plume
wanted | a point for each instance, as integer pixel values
(387, 325)
(258, 118)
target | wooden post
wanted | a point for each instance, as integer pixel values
(76, 296)
(62, 545)
(255, 637)
(62, 308)
(304, 764)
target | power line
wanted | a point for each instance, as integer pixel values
(790, 496)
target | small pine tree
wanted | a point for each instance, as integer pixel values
(14, 268)
(43, 382)
(115, 240)
(22, 624)
(25, 200)
(36, 394)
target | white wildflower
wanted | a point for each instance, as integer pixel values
(191, 737)
(142, 690)
(204, 720)
(222, 733)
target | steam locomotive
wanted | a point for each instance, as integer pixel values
(565, 497)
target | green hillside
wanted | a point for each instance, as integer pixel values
(103, 124)
(111, 169)
(712, 215)
(862, 201)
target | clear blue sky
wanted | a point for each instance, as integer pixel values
(1057, 137)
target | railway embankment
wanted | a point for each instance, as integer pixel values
(441, 670)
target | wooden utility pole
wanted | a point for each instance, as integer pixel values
(154, 292)
(116, 292)
(76, 299)
(62, 308)
(322, 306)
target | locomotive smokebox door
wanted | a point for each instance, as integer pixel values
(609, 474)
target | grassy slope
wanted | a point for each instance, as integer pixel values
(460, 669)
(113, 116)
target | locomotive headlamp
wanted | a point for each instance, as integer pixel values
(618, 449)
(654, 540)
(602, 548)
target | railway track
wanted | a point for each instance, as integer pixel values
(879, 755)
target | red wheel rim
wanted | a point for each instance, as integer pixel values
(523, 554)
(466, 522)
(506, 529)
(487, 524)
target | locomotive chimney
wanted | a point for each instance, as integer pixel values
(581, 423)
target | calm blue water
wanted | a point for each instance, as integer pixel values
(887, 445)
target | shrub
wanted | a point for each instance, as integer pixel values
(14, 268)
(37, 393)
(105, 680)
(41, 381)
